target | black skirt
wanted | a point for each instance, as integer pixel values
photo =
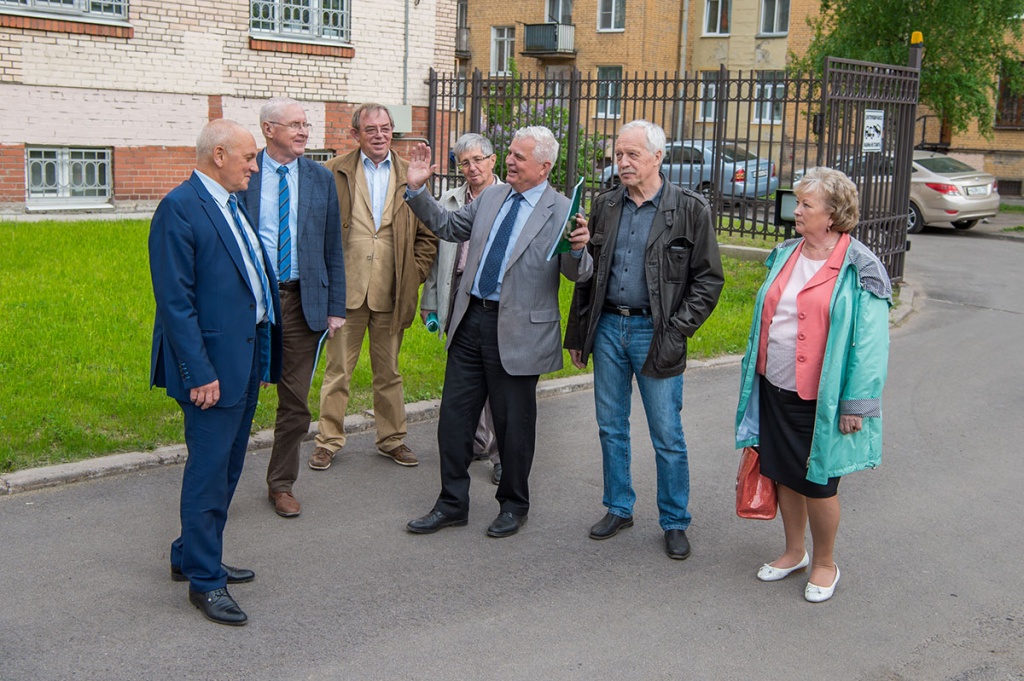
(787, 428)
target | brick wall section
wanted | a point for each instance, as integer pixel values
(70, 27)
(148, 173)
(12, 173)
(215, 105)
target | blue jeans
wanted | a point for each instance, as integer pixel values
(620, 348)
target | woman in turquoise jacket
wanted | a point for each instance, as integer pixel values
(812, 375)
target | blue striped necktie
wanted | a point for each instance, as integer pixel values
(284, 238)
(496, 256)
(257, 262)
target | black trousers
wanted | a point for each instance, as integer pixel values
(474, 374)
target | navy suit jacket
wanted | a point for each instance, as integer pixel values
(205, 309)
(321, 259)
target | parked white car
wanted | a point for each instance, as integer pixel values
(943, 189)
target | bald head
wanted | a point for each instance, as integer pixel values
(226, 152)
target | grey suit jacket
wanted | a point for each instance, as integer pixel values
(529, 328)
(321, 259)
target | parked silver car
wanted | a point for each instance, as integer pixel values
(688, 164)
(943, 189)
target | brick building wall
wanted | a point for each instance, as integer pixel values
(145, 86)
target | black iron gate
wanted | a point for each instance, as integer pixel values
(734, 137)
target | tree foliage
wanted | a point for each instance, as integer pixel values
(968, 46)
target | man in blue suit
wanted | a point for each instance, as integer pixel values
(215, 341)
(295, 203)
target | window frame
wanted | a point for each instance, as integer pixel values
(1009, 114)
(508, 40)
(615, 13)
(609, 92)
(778, 6)
(773, 80)
(70, 9)
(63, 191)
(557, 18)
(273, 25)
(721, 27)
(706, 96)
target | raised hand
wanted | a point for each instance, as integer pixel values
(420, 169)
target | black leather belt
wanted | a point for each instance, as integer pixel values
(484, 303)
(292, 285)
(628, 311)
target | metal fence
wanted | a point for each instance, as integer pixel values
(734, 136)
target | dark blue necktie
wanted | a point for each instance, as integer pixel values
(256, 261)
(284, 239)
(496, 256)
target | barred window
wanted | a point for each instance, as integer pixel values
(708, 90)
(609, 89)
(116, 9)
(768, 94)
(309, 19)
(1010, 108)
(68, 174)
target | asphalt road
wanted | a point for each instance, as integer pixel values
(930, 545)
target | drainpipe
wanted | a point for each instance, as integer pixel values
(684, 23)
(405, 59)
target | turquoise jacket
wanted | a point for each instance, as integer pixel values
(853, 371)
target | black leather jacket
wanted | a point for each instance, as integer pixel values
(683, 268)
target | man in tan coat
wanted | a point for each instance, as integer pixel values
(388, 254)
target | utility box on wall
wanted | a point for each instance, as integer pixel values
(402, 113)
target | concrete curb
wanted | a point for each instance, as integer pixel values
(416, 412)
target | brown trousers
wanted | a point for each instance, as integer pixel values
(293, 417)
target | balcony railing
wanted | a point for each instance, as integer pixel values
(462, 42)
(550, 39)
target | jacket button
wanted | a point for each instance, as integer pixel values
(802, 315)
(801, 336)
(249, 340)
(801, 358)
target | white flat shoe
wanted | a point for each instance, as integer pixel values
(767, 573)
(818, 594)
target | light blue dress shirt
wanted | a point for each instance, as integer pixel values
(220, 195)
(270, 199)
(530, 199)
(377, 179)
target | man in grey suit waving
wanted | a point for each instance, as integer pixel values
(295, 204)
(504, 323)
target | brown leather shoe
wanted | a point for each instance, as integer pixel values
(285, 504)
(321, 459)
(401, 455)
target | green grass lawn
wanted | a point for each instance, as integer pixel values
(76, 321)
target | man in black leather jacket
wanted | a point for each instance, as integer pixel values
(657, 278)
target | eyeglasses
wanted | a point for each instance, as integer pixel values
(384, 130)
(475, 161)
(295, 127)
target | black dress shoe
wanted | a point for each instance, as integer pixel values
(434, 521)
(235, 575)
(506, 524)
(218, 606)
(496, 474)
(609, 526)
(676, 544)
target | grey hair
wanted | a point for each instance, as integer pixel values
(839, 192)
(369, 108)
(471, 141)
(274, 106)
(546, 149)
(216, 133)
(654, 134)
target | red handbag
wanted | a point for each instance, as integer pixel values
(755, 494)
